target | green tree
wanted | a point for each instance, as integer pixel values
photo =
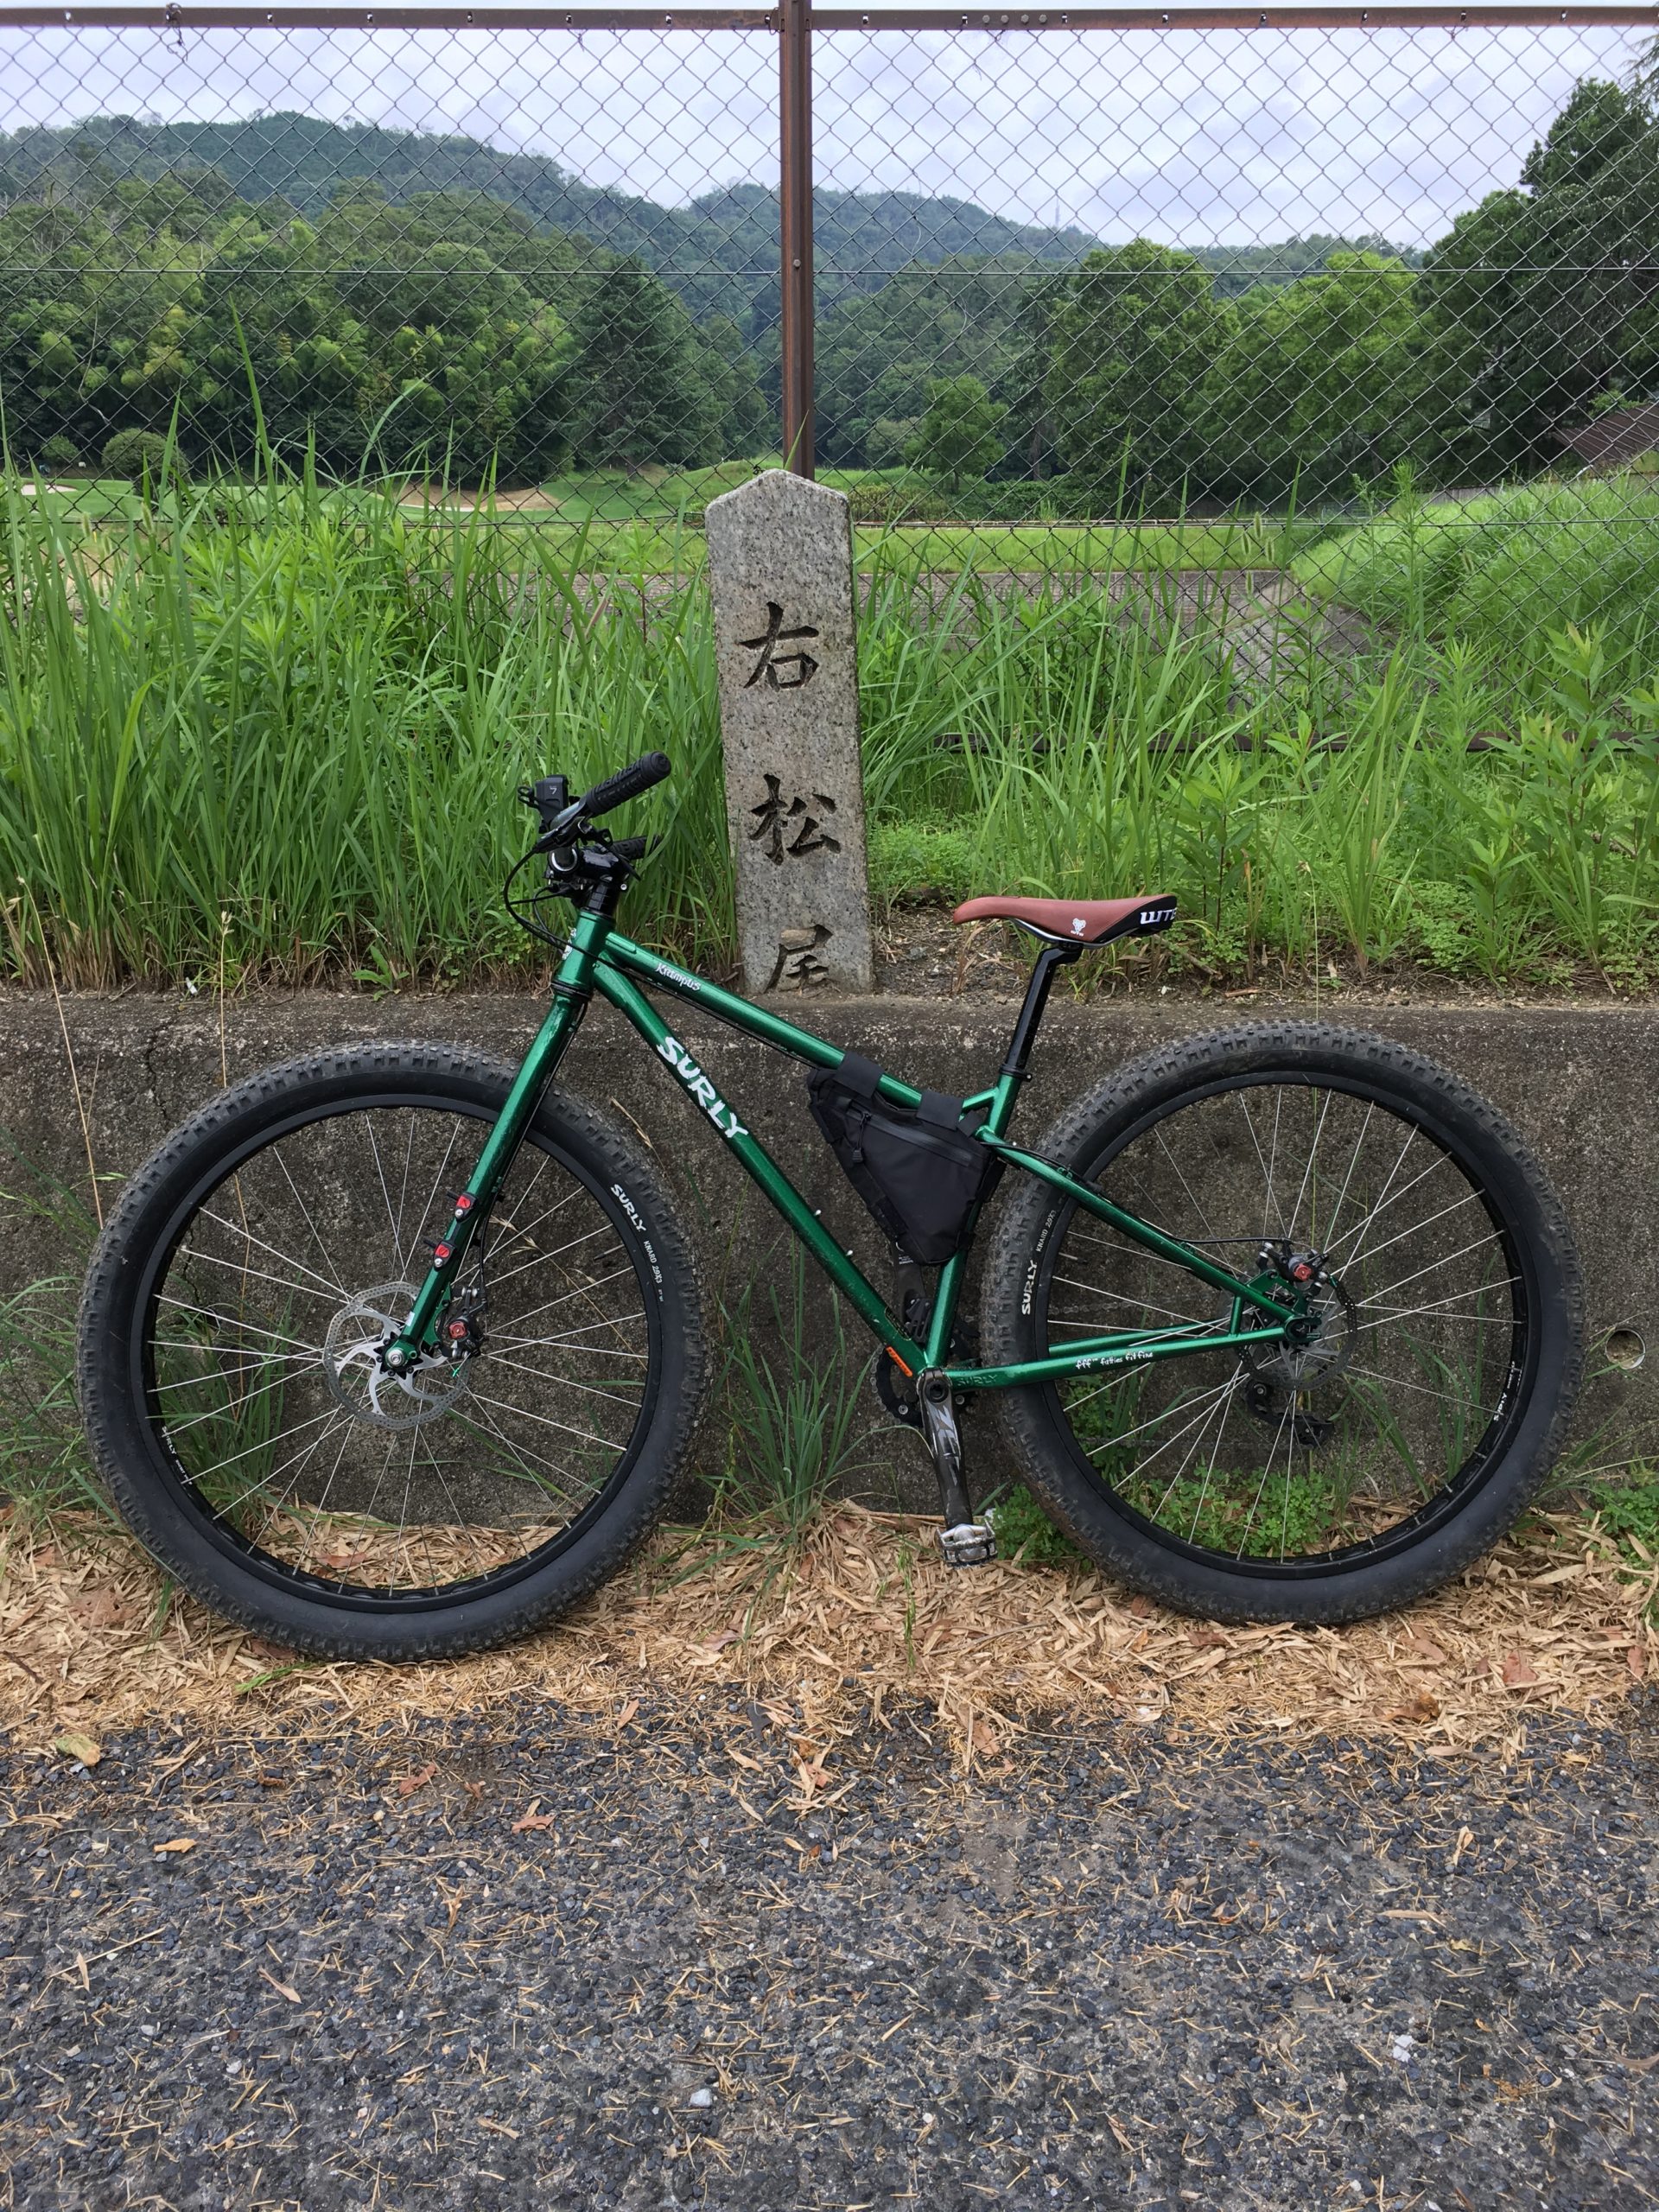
(1542, 298)
(1134, 333)
(433, 326)
(1024, 381)
(1315, 384)
(960, 434)
(144, 459)
(876, 353)
(743, 422)
(634, 394)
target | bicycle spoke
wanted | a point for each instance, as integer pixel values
(392, 1483)
(392, 1217)
(1122, 1298)
(1361, 1258)
(1325, 1439)
(563, 1381)
(1307, 1173)
(231, 1322)
(543, 1258)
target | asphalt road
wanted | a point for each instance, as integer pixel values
(537, 1959)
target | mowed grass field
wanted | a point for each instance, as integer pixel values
(649, 523)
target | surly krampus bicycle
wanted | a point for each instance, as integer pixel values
(392, 1352)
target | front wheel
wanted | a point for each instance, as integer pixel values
(236, 1405)
(1429, 1391)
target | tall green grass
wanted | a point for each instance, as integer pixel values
(276, 735)
(1501, 570)
(1093, 753)
(284, 734)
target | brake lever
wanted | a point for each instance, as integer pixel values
(549, 796)
(567, 828)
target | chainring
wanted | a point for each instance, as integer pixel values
(897, 1391)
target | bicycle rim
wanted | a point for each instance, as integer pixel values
(1297, 1460)
(281, 1272)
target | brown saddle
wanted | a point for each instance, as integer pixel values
(1074, 921)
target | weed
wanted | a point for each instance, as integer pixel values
(1025, 1534)
(276, 735)
(1628, 1511)
(795, 1425)
(44, 1468)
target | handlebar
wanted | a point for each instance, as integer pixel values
(593, 873)
(627, 782)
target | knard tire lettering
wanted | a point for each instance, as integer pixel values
(638, 1221)
(700, 1089)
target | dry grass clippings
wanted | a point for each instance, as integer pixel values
(93, 1638)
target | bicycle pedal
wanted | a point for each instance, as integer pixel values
(970, 1543)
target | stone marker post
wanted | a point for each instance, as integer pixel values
(780, 569)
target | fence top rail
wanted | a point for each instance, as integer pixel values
(1232, 19)
(1505, 14)
(254, 18)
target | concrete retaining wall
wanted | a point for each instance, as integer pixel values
(1581, 1083)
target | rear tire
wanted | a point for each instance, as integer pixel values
(1422, 1413)
(235, 1409)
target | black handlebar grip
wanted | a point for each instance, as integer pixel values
(627, 782)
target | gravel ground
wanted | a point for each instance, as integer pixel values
(544, 1960)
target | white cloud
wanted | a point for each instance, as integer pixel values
(1189, 138)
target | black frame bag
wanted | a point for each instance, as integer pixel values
(919, 1173)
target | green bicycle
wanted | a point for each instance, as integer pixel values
(391, 1352)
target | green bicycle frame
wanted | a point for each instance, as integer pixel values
(599, 959)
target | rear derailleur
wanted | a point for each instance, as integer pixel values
(1316, 1349)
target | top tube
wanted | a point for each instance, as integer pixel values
(739, 1013)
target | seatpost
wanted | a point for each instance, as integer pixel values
(1030, 1013)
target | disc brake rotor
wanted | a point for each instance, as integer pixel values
(352, 1364)
(1283, 1375)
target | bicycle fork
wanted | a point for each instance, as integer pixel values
(419, 1342)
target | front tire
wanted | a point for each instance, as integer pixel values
(1402, 1437)
(235, 1407)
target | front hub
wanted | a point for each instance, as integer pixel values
(357, 1371)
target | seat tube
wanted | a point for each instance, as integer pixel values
(1012, 1072)
(1004, 1096)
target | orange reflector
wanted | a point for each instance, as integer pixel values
(899, 1363)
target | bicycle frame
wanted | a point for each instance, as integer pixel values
(599, 959)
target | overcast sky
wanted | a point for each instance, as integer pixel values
(1188, 138)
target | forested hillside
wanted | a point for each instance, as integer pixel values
(469, 309)
(720, 254)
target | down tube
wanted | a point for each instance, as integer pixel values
(848, 1279)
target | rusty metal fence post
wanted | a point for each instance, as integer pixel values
(795, 229)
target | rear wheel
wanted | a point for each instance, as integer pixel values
(1429, 1392)
(236, 1402)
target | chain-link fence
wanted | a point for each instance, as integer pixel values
(1199, 297)
(531, 255)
